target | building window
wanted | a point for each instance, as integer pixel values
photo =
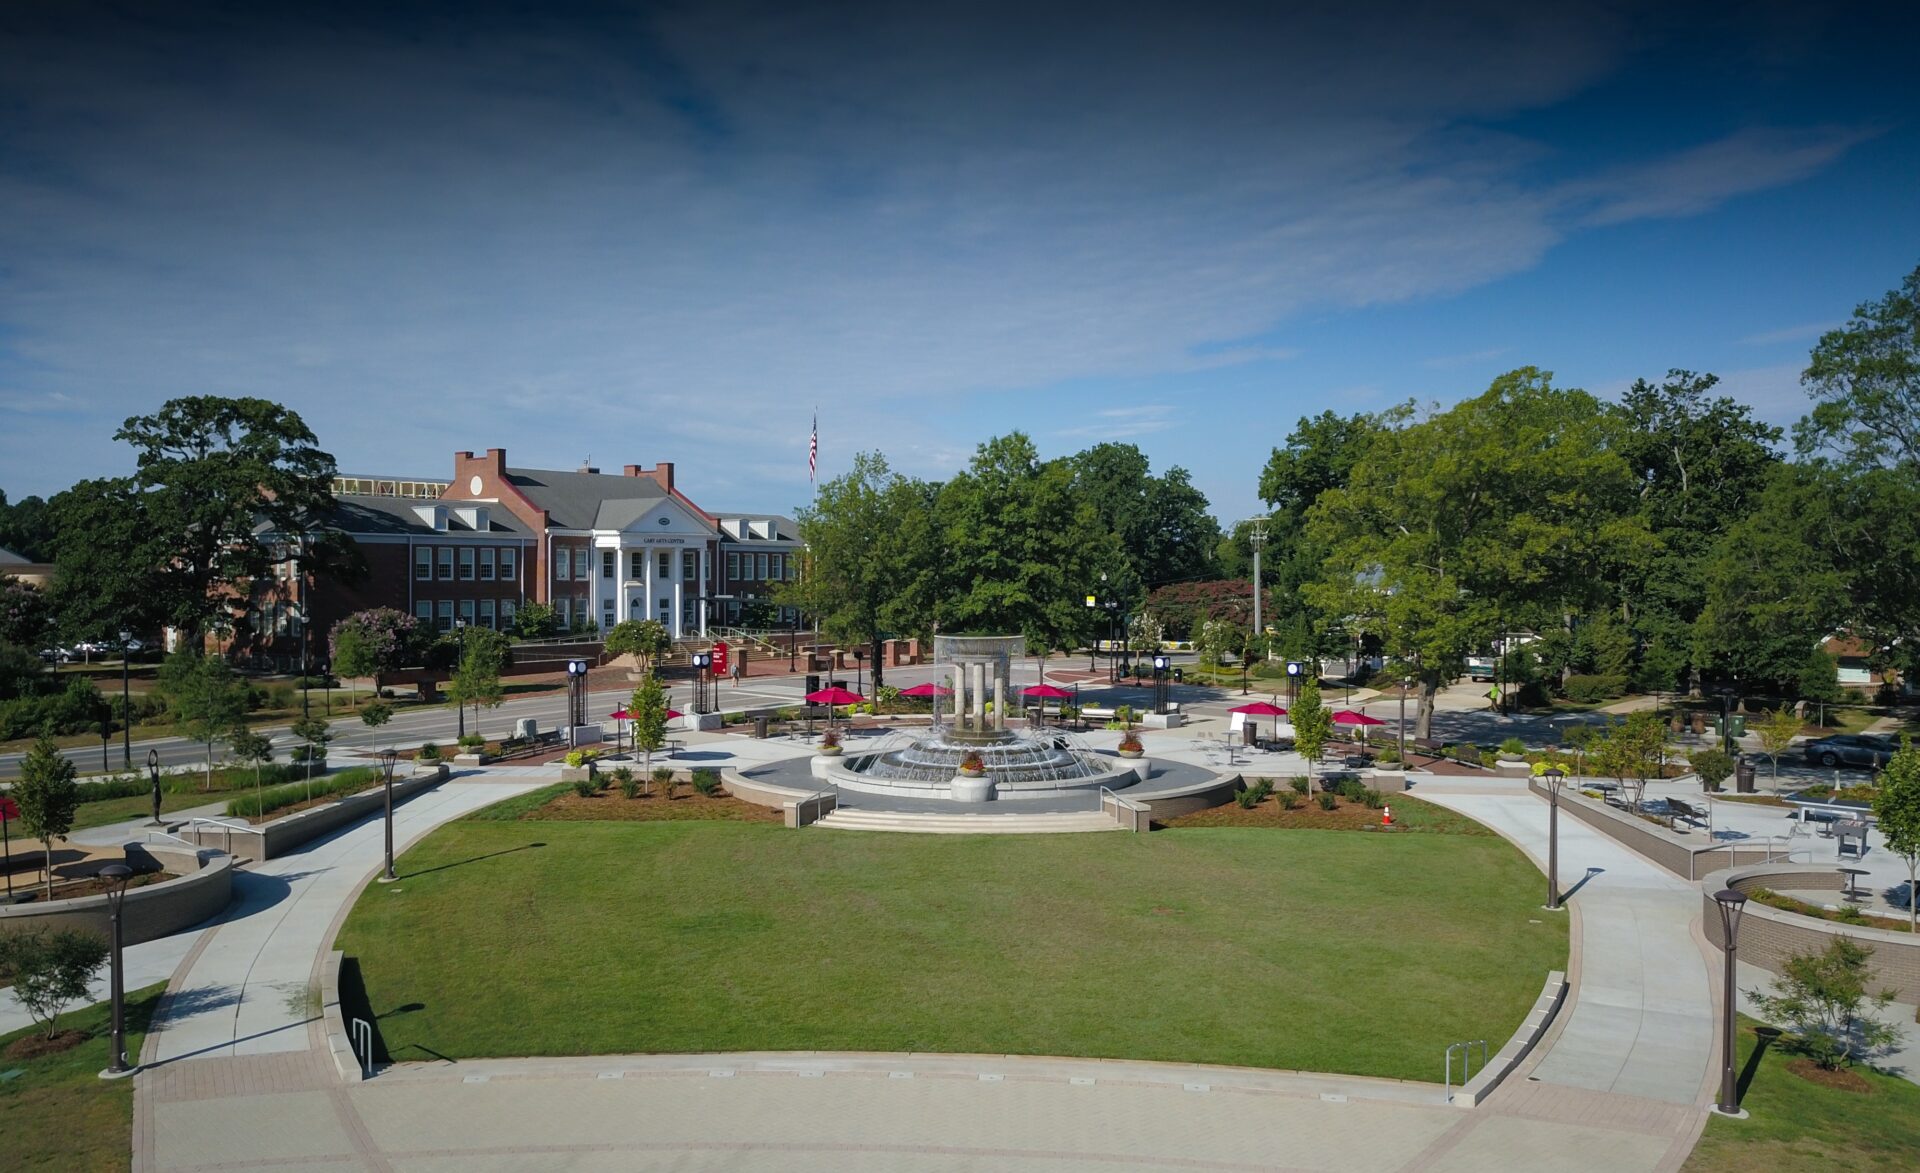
(507, 608)
(486, 613)
(583, 564)
(636, 566)
(607, 560)
(423, 563)
(446, 563)
(466, 612)
(793, 566)
(506, 563)
(606, 613)
(562, 565)
(466, 563)
(778, 562)
(733, 568)
(690, 565)
(666, 566)
(760, 565)
(486, 564)
(443, 614)
(563, 611)
(423, 611)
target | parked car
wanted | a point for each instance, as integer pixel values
(55, 655)
(1480, 668)
(1851, 749)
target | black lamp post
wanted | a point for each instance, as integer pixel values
(1726, 724)
(116, 875)
(1406, 684)
(460, 634)
(1732, 904)
(1554, 776)
(126, 709)
(387, 758)
(1092, 644)
(153, 776)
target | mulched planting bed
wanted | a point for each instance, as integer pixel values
(1840, 1079)
(1409, 814)
(610, 806)
(36, 1044)
(283, 811)
(91, 887)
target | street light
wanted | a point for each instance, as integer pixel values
(1726, 725)
(1731, 904)
(126, 709)
(1554, 776)
(1406, 686)
(1093, 643)
(460, 635)
(116, 875)
(387, 758)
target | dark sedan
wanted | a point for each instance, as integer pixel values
(1851, 749)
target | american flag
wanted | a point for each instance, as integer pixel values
(813, 448)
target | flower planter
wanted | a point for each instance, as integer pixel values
(1132, 753)
(828, 751)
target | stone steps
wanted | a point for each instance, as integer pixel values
(997, 823)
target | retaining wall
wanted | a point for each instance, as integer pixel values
(280, 836)
(1768, 936)
(794, 803)
(201, 890)
(1666, 848)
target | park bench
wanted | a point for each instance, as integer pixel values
(1098, 713)
(1680, 811)
(1432, 747)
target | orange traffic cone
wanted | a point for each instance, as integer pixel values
(1386, 816)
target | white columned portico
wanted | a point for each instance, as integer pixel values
(702, 604)
(679, 565)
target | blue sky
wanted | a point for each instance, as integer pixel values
(643, 233)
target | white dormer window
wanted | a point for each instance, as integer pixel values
(433, 515)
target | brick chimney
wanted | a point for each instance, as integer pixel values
(661, 473)
(491, 469)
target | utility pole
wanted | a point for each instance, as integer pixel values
(1257, 539)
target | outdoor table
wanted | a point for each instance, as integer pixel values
(1852, 892)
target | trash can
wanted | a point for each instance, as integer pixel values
(1743, 777)
(1739, 725)
(760, 727)
(1249, 734)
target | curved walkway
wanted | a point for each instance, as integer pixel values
(1607, 1091)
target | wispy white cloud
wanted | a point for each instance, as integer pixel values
(1702, 178)
(1123, 423)
(1471, 358)
(1802, 333)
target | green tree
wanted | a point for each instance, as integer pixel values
(207, 701)
(375, 715)
(1714, 767)
(251, 749)
(1216, 639)
(535, 621)
(1896, 804)
(648, 706)
(1159, 523)
(1633, 750)
(353, 657)
(476, 678)
(1320, 455)
(643, 639)
(1819, 678)
(1312, 721)
(51, 969)
(869, 563)
(1777, 731)
(106, 550)
(26, 613)
(1493, 511)
(1021, 547)
(314, 735)
(26, 528)
(47, 797)
(211, 473)
(1865, 381)
(1823, 1002)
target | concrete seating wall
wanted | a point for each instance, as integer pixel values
(202, 886)
(1687, 860)
(279, 836)
(1768, 936)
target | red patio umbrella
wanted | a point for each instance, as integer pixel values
(833, 696)
(928, 689)
(1349, 717)
(1260, 709)
(1046, 692)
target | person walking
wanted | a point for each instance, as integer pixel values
(739, 667)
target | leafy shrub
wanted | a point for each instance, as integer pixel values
(1301, 784)
(1489, 758)
(280, 696)
(317, 754)
(576, 758)
(585, 787)
(1713, 766)
(1264, 786)
(623, 778)
(429, 752)
(1325, 800)
(75, 709)
(1247, 797)
(662, 774)
(1131, 743)
(668, 783)
(830, 739)
(1513, 747)
(1586, 689)
(1373, 798)
(1390, 754)
(473, 741)
(1351, 789)
(1289, 800)
(706, 781)
(265, 802)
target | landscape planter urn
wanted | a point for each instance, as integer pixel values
(1132, 753)
(829, 751)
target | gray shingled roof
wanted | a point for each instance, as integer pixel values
(356, 514)
(785, 529)
(573, 499)
(9, 558)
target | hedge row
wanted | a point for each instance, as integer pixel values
(250, 805)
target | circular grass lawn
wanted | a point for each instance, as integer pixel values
(1336, 951)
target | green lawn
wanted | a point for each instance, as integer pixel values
(1317, 950)
(1800, 1127)
(58, 1113)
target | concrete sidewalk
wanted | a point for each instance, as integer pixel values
(1641, 1017)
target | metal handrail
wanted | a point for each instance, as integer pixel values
(1466, 1064)
(229, 828)
(800, 807)
(172, 836)
(1128, 804)
(359, 1035)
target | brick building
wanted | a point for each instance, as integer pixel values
(599, 548)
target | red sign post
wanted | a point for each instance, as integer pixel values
(720, 657)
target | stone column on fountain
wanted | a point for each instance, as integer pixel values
(999, 701)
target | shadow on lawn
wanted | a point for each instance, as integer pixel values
(1765, 1036)
(474, 859)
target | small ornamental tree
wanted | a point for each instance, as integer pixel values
(476, 678)
(47, 796)
(1633, 751)
(1823, 1002)
(207, 700)
(649, 708)
(315, 735)
(1777, 731)
(1713, 766)
(1896, 804)
(51, 969)
(375, 715)
(1215, 639)
(643, 639)
(252, 749)
(1312, 721)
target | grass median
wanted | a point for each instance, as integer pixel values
(1307, 949)
(57, 1113)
